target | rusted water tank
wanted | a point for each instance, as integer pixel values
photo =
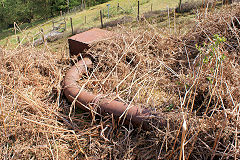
(79, 42)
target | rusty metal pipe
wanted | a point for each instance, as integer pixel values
(134, 114)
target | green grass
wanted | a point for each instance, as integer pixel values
(92, 18)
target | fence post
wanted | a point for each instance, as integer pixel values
(18, 39)
(118, 7)
(61, 13)
(169, 20)
(82, 5)
(108, 5)
(180, 5)
(214, 4)
(65, 24)
(43, 38)
(71, 25)
(15, 29)
(101, 18)
(53, 24)
(174, 20)
(151, 7)
(138, 11)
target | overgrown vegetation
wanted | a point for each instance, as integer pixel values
(91, 15)
(190, 78)
(26, 11)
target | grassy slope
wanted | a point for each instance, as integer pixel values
(92, 15)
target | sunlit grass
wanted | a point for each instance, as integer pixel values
(92, 18)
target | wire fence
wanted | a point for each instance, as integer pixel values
(110, 15)
(73, 21)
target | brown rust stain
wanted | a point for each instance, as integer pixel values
(89, 102)
(79, 42)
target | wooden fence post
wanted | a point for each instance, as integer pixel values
(15, 28)
(151, 7)
(108, 5)
(138, 11)
(71, 25)
(43, 38)
(214, 4)
(65, 24)
(118, 7)
(18, 39)
(53, 24)
(174, 20)
(101, 18)
(180, 5)
(169, 20)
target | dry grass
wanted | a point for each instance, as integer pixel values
(196, 89)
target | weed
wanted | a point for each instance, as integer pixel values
(212, 49)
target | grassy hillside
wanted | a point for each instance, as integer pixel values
(92, 18)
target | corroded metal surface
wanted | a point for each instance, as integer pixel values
(95, 103)
(79, 42)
